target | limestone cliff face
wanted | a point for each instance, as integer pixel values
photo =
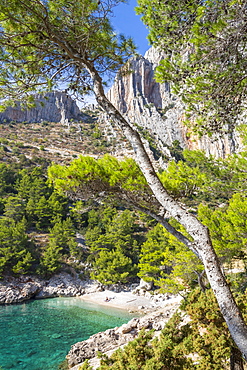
(53, 107)
(148, 103)
(152, 106)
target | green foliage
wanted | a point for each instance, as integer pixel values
(228, 227)
(25, 260)
(107, 173)
(85, 366)
(193, 179)
(31, 184)
(181, 180)
(39, 211)
(63, 235)
(113, 244)
(112, 267)
(166, 353)
(108, 228)
(204, 45)
(14, 208)
(7, 179)
(152, 254)
(134, 356)
(209, 338)
(167, 262)
(51, 258)
(200, 178)
(214, 345)
(117, 233)
(52, 42)
(15, 254)
(29, 206)
(40, 205)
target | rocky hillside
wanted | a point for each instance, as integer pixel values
(53, 107)
(152, 105)
(60, 143)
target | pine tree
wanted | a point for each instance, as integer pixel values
(14, 247)
(14, 208)
(51, 258)
(111, 267)
(63, 234)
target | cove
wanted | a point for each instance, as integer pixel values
(38, 334)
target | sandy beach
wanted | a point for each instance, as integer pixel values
(127, 300)
(152, 310)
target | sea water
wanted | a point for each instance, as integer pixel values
(38, 334)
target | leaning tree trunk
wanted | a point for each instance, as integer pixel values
(202, 242)
(236, 360)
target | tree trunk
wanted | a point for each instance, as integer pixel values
(200, 280)
(202, 243)
(236, 360)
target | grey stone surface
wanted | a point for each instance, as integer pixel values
(153, 106)
(53, 107)
(108, 341)
(15, 290)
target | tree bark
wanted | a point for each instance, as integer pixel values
(200, 234)
(200, 280)
(236, 360)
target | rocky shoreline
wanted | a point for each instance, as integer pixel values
(16, 290)
(110, 340)
(156, 308)
(23, 288)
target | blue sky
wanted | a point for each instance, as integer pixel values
(127, 22)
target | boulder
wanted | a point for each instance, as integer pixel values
(146, 285)
(14, 290)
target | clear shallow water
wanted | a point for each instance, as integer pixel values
(37, 335)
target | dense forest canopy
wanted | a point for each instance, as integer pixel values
(30, 204)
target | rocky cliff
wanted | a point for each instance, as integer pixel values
(52, 107)
(152, 106)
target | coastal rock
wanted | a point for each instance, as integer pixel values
(52, 107)
(108, 341)
(61, 285)
(18, 290)
(145, 285)
(15, 290)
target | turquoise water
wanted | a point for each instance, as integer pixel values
(37, 335)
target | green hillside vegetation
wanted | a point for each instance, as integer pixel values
(121, 242)
(210, 187)
(39, 226)
(101, 200)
